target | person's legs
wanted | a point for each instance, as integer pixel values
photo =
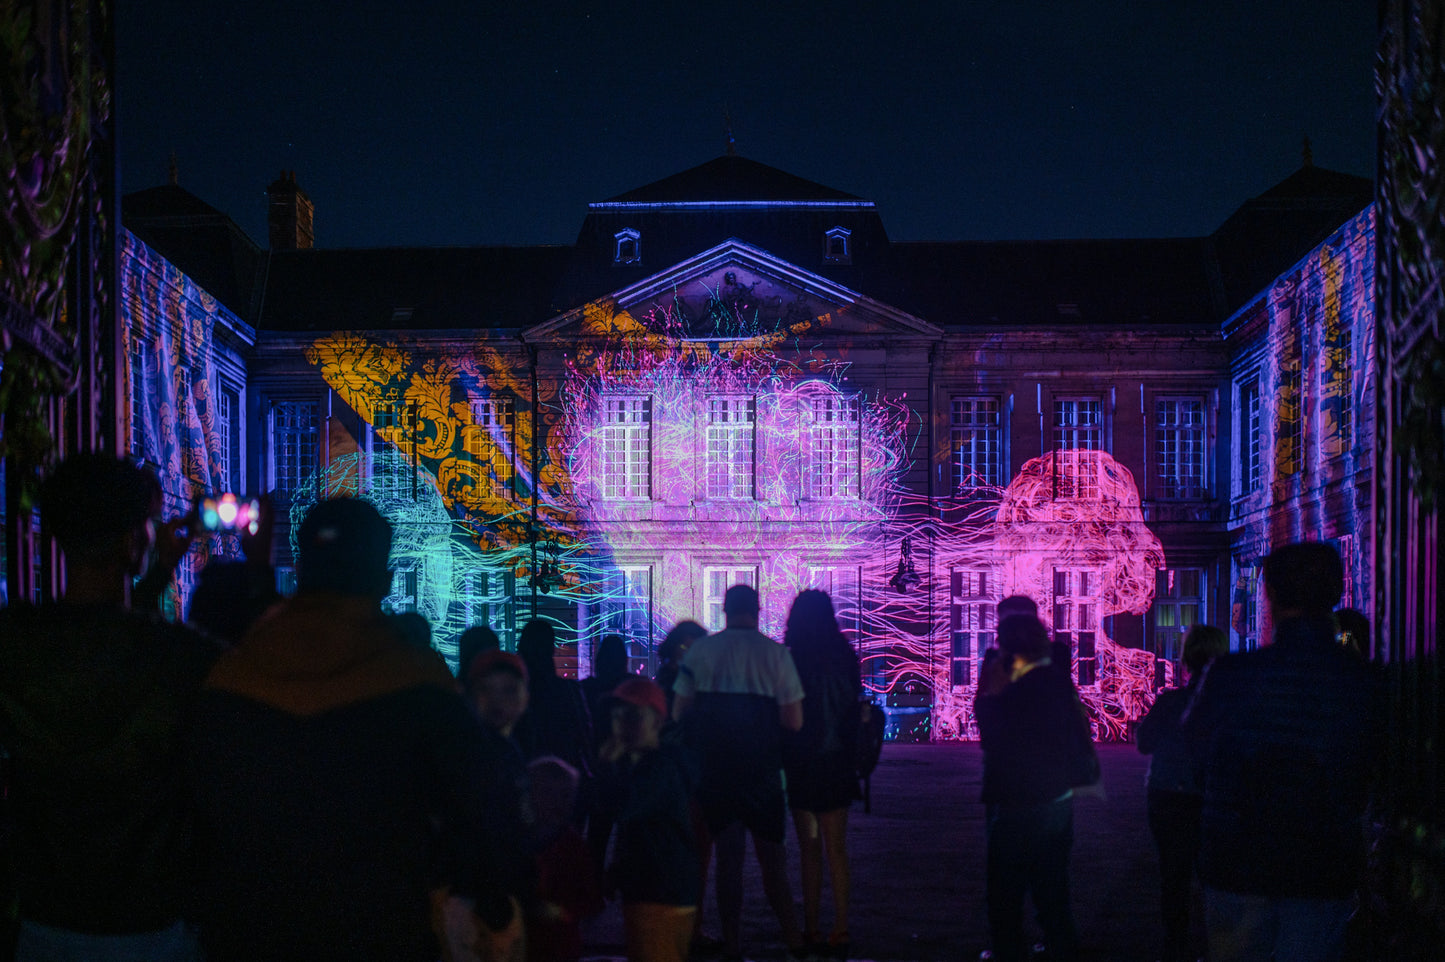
(730, 844)
(810, 863)
(1242, 928)
(772, 864)
(1312, 930)
(1049, 877)
(1174, 822)
(1006, 882)
(835, 839)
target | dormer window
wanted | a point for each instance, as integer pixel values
(628, 249)
(835, 246)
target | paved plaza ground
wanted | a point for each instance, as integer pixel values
(918, 866)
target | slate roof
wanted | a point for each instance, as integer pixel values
(410, 288)
(731, 178)
(200, 240)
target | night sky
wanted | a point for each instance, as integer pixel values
(428, 123)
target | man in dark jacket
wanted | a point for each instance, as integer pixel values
(1287, 737)
(341, 785)
(94, 699)
(1029, 724)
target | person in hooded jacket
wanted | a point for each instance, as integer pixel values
(343, 792)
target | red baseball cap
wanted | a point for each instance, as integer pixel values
(644, 694)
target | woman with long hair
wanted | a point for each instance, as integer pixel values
(820, 760)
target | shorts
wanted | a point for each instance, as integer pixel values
(761, 807)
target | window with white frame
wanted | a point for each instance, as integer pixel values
(493, 444)
(392, 470)
(834, 448)
(626, 610)
(1076, 618)
(716, 580)
(977, 434)
(1178, 606)
(730, 436)
(1251, 449)
(836, 245)
(1078, 428)
(482, 593)
(973, 615)
(229, 431)
(841, 582)
(140, 374)
(1179, 447)
(1291, 409)
(295, 444)
(626, 448)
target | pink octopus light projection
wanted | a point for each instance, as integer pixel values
(1070, 533)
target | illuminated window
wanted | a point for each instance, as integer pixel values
(1291, 419)
(834, 448)
(295, 444)
(626, 610)
(493, 443)
(730, 447)
(977, 443)
(973, 614)
(627, 448)
(836, 246)
(183, 391)
(1078, 428)
(392, 470)
(406, 579)
(1076, 618)
(1178, 606)
(628, 249)
(1250, 447)
(1244, 607)
(482, 594)
(716, 581)
(1345, 391)
(228, 438)
(285, 580)
(841, 582)
(1179, 442)
(140, 375)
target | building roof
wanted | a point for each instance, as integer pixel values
(730, 178)
(410, 288)
(202, 242)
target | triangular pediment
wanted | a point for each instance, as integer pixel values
(736, 291)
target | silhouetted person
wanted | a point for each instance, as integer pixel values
(340, 784)
(742, 692)
(1174, 796)
(671, 653)
(821, 761)
(1288, 737)
(557, 722)
(569, 888)
(415, 630)
(472, 642)
(94, 702)
(609, 669)
(1029, 720)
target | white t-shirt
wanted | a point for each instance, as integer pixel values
(740, 661)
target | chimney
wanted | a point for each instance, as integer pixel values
(289, 215)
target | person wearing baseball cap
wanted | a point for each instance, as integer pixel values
(654, 862)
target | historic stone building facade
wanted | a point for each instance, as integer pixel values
(735, 375)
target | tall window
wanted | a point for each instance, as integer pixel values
(140, 375)
(834, 448)
(841, 582)
(977, 442)
(392, 474)
(1178, 606)
(295, 444)
(494, 444)
(1249, 454)
(406, 582)
(1290, 436)
(716, 581)
(973, 614)
(1179, 440)
(730, 432)
(626, 610)
(1345, 391)
(482, 594)
(627, 448)
(1078, 427)
(1076, 618)
(229, 433)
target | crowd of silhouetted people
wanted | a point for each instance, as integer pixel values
(306, 778)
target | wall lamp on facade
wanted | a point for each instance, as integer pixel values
(907, 575)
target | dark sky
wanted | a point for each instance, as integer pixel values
(430, 123)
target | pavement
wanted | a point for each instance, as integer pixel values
(918, 867)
